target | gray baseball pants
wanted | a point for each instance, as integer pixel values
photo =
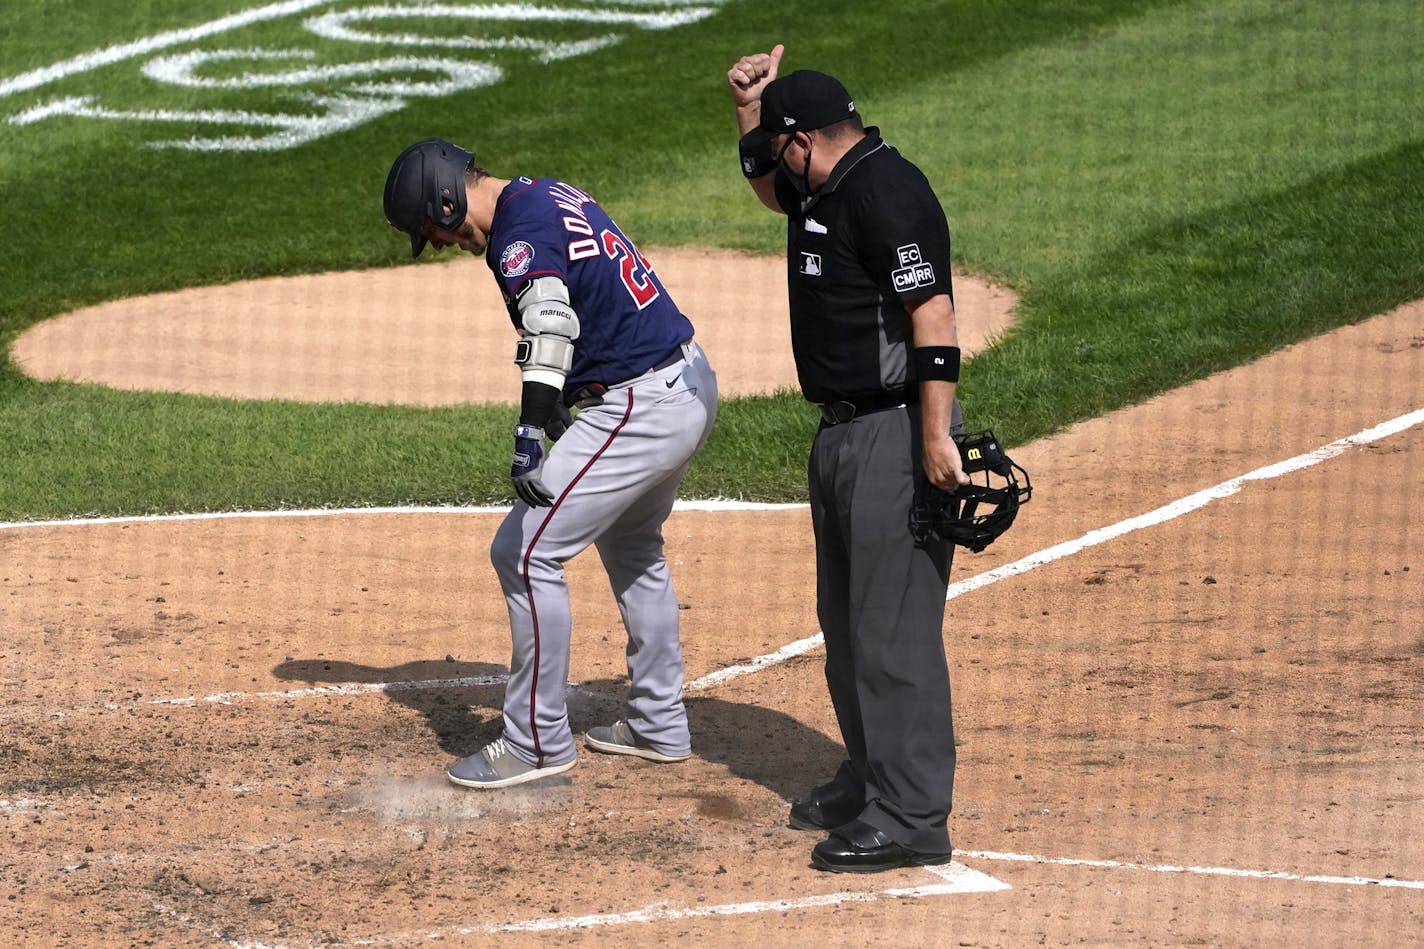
(881, 602)
(614, 475)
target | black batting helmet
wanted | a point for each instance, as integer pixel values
(973, 515)
(423, 179)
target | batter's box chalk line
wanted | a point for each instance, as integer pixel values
(1049, 555)
(955, 878)
(1391, 882)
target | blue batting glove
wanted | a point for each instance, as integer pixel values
(528, 466)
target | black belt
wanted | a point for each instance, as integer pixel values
(673, 359)
(591, 393)
(834, 413)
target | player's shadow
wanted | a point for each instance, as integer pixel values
(462, 703)
(457, 699)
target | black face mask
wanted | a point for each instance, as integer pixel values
(802, 182)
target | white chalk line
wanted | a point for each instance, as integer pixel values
(1102, 535)
(789, 651)
(1196, 871)
(714, 504)
(956, 877)
(967, 880)
(345, 688)
(376, 688)
(800, 647)
(1188, 504)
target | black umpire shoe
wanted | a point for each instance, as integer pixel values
(827, 807)
(860, 848)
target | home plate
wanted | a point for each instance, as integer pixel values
(961, 879)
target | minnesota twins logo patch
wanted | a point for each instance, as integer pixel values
(516, 259)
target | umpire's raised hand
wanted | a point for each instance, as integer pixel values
(749, 77)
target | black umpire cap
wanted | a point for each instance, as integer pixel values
(799, 102)
(423, 180)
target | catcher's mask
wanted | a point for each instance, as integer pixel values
(424, 179)
(975, 514)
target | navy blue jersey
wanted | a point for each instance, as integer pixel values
(627, 321)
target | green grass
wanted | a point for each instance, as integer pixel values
(1209, 292)
(1174, 188)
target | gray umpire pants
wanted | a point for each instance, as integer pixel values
(880, 603)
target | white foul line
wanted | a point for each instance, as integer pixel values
(1101, 535)
(800, 647)
(1187, 504)
(789, 651)
(345, 688)
(959, 879)
(1199, 871)
(116, 54)
(715, 504)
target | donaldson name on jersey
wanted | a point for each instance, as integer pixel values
(628, 322)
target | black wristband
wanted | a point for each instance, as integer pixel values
(755, 151)
(937, 362)
(537, 403)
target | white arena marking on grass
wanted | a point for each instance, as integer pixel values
(1202, 871)
(338, 25)
(184, 69)
(348, 104)
(116, 54)
(287, 130)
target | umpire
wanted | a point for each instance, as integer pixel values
(876, 348)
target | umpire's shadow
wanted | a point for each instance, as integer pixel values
(762, 745)
(464, 712)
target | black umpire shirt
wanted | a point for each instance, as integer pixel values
(873, 238)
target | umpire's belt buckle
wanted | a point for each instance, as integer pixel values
(834, 413)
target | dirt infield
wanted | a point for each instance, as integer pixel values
(1201, 728)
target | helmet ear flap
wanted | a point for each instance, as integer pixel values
(447, 201)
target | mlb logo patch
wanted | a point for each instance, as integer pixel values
(516, 259)
(810, 264)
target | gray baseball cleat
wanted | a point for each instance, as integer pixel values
(494, 766)
(618, 739)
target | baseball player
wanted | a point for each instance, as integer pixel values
(598, 332)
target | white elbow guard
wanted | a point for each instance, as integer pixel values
(546, 353)
(545, 358)
(544, 308)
